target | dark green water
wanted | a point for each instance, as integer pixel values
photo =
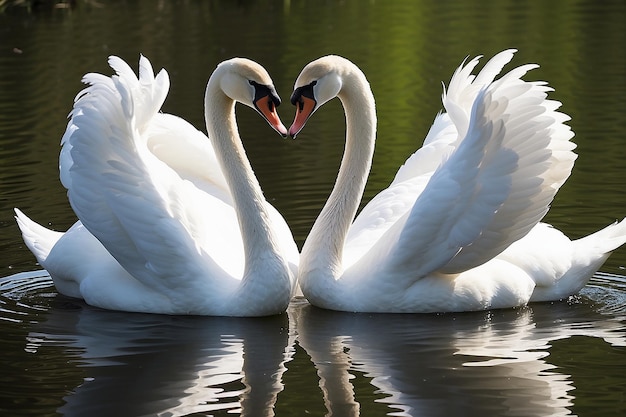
(60, 357)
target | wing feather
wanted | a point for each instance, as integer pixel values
(148, 217)
(485, 188)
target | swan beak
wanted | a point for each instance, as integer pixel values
(304, 109)
(269, 113)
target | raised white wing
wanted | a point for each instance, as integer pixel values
(512, 153)
(135, 190)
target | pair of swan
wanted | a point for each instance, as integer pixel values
(173, 223)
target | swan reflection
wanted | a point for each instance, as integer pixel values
(142, 364)
(492, 363)
(86, 361)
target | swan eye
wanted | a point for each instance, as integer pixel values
(262, 91)
(296, 100)
(304, 91)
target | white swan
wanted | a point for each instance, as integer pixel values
(168, 222)
(458, 228)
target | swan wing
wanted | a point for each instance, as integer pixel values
(187, 151)
(388, 206)
(147, 216)
(391, 204)
(440, 142)
(511, 155)
(527, 156)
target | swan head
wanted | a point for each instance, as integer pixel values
(320, 81)
(247, 82)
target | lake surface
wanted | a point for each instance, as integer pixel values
(62, 357)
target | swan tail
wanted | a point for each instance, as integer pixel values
(604, 241)
(39, 239)
(588, 255)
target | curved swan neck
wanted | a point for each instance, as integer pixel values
(327, 237)
(248, 198)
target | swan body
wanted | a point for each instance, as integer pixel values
(459, 227)
(170, 222)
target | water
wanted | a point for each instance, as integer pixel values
(61, 357)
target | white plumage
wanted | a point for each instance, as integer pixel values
(160, 228)
(458, 228)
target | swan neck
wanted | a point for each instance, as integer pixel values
(327, 238)
(248, 199)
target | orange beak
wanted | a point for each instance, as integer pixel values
(304, 109)
(265, 105)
